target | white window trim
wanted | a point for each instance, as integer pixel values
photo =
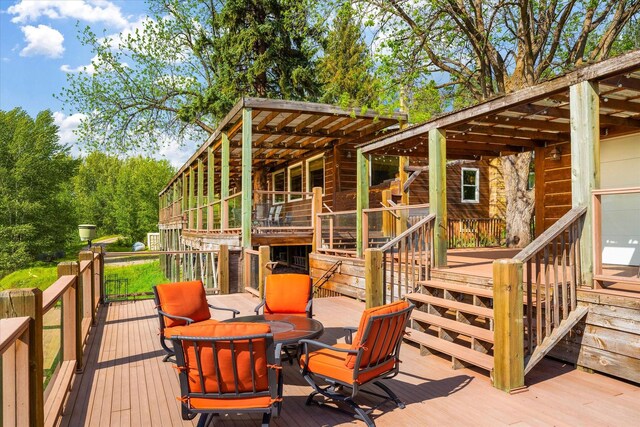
(324, 175)
(462, 185)
(273, 185)
(289, 198)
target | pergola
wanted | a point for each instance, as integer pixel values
(581, 107)
(260, 135)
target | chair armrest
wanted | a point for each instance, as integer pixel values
(307, 309)
(278, 354)
(171, 316)
(304, 345)
(225, 309)
(349, 330)
(259, 306)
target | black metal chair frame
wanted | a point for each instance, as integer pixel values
(275, 378)
(162, 314)
(332, 391)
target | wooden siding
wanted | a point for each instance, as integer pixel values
(125, 383)
(555, 183)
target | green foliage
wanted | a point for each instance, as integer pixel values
(180, 73)
(35, 198)
(120, 196)
(346, 69)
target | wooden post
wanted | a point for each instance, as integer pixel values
(90, 289)
(28, 302)
(316, 208)
(438, 193)
(224, 183)
(362, 196)
(585, 163)
(100, 285)
(539, 189)
(72, 268)
(247, 189)
(403, 163)
(200, 199)
(373, 280)
(211, 186)
(264, 258)
(508, 353)
(223, 269)
(387, 218)
(185, 196)
(191, 202)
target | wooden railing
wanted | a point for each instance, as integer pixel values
(598, 275)
(172, 212)
(14, 351)
(282, 210)
(548, 272)
(475, 232)
(336, 233)
(76, 294)
(406, 259)
(379, 225)
(232, 213)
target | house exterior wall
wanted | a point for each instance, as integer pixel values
(620, 167)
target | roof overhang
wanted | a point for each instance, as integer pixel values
(528, 118)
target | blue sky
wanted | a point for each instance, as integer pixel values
(39, 46)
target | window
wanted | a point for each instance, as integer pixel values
(277, 179)
(383, 168)
(315, 173)
(295, 181)
(470, 185)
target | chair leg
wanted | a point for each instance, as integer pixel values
(360, 413)
(266, 419)
(205, 420)
(391, 394)
(170, 352)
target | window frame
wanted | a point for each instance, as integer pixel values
(273, 185)
(290, 197)
(308, 171)
(463, 185)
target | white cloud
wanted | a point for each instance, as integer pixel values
(42, 40)
(66, 126)
(89, 10)
(177, 154)
(89, 68)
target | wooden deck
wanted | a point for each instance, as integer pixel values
(125, 383)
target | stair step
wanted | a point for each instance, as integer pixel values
(481, 292)
(451, 325)
(457, 351)
(451, 304)
(451, 275)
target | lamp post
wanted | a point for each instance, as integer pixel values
(87, 232)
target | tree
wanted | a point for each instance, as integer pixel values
(475, 50)
(136, 204)
(346, 68)
(180, 73)
(35, 171)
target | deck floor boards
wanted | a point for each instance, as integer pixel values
(125, 383)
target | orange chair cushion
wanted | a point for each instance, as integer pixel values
(239, 403)
(376, 349)
(184, 329)
(329, 363)
(287, 294)
(185, 299)
(225, 357)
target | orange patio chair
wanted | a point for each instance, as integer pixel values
(287, 294)
(182, 303)
(371, 356)
(228, 368)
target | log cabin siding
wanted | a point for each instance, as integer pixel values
(554, 184)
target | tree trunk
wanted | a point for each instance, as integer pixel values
(519, 199)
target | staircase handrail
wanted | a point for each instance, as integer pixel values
(326, 276)
(549, 234)
(407, 232)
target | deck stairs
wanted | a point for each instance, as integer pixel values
(454, 319)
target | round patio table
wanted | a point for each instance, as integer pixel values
(286, 328)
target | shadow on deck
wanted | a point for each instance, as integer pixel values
(126, 383)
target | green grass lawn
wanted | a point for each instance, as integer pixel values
(33, 277)
(141, 276)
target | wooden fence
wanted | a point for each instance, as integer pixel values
(476, 232)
